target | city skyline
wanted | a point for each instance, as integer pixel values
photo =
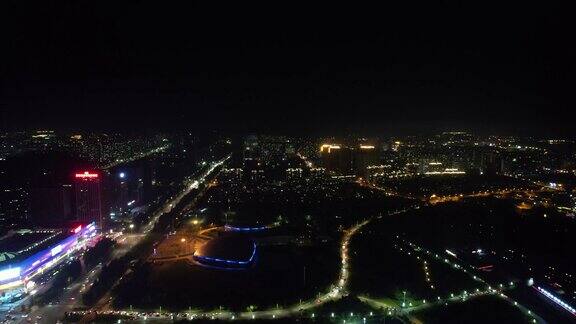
(281, 162)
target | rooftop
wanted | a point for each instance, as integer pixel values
(24, 242)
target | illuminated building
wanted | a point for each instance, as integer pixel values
(430, 166)
(227, 252)
(336, 158)
(88, 198)
(489, 161)
(395, 146)
(30, 253)
(365, 155)
(349, 160)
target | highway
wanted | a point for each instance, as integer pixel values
(72, 296)
(189, 185)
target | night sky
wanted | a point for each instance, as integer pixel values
(286, 67)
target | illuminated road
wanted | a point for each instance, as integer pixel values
(451, 198)
(70, 299)
(337, 292)
(189, 186)
(434, 199)
(138, 156)
(72, 296)
(105, 302)
(388, 192)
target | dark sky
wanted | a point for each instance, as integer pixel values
(286, 66)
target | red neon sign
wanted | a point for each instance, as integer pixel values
(86, 175)
(77, 229)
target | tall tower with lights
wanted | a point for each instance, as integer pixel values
(88, 197)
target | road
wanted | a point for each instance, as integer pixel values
(72, 296)
(338, 291)
(105, 302)
(189, 185)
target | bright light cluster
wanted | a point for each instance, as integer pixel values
(10, 273)
(86, 175)
(40, 261)
(557, 300)
(329, 147)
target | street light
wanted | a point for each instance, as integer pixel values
(404, 300)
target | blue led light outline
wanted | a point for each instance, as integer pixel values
(207, 258)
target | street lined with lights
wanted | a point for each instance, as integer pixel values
(335, 293)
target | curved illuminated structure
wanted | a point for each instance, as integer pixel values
(227, 253)
(18, 273)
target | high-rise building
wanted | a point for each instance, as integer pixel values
(365, 155)
(349, 160)
(488, 161)
(336, 158)
(88, 197)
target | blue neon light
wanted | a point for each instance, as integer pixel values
(206, 258)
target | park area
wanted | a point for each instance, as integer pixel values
(282, 275)
(384, 268)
